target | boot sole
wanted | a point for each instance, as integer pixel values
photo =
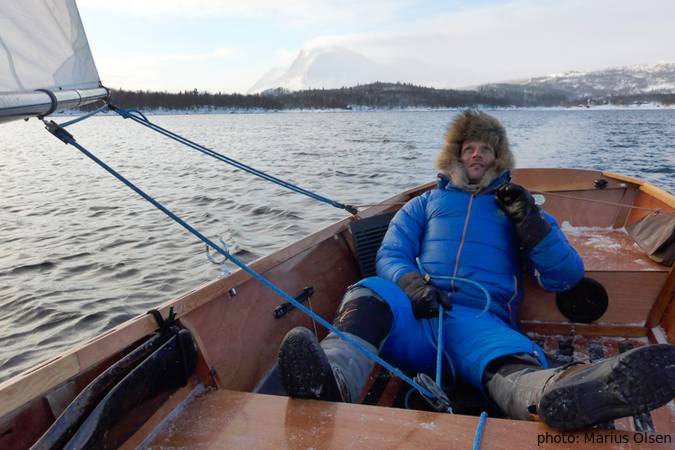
(642, 380)
(304, 367)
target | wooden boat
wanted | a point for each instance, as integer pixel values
(237, 333)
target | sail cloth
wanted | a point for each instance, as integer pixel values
(45, 61)
(43, 46)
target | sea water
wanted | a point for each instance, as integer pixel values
(80, 252)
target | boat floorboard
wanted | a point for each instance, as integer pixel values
(232, 419)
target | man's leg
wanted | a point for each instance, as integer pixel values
(580, 395)
(333, 369)
(501, 379)
(378, 314)
(474, 340)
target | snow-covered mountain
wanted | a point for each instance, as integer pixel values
(336, 67)
(656, 78)
(328, 68)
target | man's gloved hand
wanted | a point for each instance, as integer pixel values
(515, 200)
(518, 204)
(425, 298)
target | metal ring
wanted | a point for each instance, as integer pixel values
(53, 99)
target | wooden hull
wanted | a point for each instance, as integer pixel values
(238, 336)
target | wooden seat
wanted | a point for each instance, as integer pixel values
(612, 258)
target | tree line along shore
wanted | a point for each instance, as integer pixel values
(377, 96)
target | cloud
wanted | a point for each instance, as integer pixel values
(520, 40)
(284, 56)
(292, 11)
(174, 72)
(219, 53)
(448, 44)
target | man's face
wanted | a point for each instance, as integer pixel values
(477, 157)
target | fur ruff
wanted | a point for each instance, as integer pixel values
(476, 126)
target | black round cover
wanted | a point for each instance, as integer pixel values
(584, 303)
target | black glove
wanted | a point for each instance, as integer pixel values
(425, 298)
(518, 204)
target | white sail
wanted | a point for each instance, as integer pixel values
(43, 46)
(45, 61)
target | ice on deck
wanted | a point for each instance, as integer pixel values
(608, 249)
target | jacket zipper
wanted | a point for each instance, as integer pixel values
(461, 242)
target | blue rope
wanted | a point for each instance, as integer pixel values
(488, 299)
(131, 114)
(439, 347)
(479, 430)
(66, 137)
(428, 333)
(86, 116)
(127, 113)
(439, 340)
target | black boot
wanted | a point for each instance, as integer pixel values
(631, 383)
(334, 370)
(305, 369)
(581, 395)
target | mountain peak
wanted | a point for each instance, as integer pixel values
(325, 68)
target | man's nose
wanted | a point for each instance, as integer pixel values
(475, 152)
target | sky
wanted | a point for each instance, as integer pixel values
(226, 46)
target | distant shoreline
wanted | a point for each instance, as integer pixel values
(217, 111)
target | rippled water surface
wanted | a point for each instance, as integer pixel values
(80, 252)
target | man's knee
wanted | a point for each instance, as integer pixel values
(365, 314)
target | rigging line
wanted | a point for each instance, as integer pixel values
(228, 160)
(127, 114)
(238, 164)
(605, 202)
(309, 302)
(365, 205)
(86, 116)
(68, 138)
(552, 194)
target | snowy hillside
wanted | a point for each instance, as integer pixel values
(656, 78)
(336, 67)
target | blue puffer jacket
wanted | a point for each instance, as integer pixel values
(456, 233)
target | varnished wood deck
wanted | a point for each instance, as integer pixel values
(229, 419)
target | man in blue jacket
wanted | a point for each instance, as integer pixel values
(463, 246)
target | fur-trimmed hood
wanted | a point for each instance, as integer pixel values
(477, 126)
